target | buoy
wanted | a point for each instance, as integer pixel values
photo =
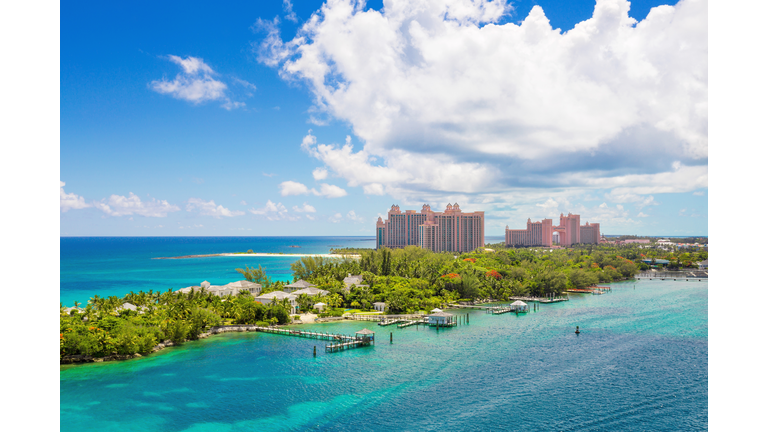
(577, 330)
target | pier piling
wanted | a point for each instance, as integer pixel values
(390, 337)
(314, 351)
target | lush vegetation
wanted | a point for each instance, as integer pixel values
(349, 251)
(413, 279)
(408, 280)
(105, 328)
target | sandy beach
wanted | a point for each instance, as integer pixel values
(263, 254)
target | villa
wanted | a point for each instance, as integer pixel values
(232, 288)
(298, 285)
(278, 296)
(356, 280)
(311, 291)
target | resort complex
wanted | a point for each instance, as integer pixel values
(450, 230)
(569, 232)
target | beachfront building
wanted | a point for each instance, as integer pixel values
(278, 297)
(379, 306)
(450, 230)
(234, 288)
(545, 233)
(299, 284)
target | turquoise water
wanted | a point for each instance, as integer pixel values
(640, 363)
(117, 265)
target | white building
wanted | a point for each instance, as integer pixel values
(356, 280)
(299, 284)
(278, 296)
(380, 306)
(311, 291)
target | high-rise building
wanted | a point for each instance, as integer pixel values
(568, 233)
(450, 230)
(536, 234)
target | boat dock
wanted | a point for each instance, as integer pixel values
(342, 342)
(412, 322)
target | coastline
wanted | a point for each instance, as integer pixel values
(262, 254)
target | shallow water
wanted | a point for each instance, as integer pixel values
(117, 265)
(640, 363)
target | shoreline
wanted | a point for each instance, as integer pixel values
(263, 254)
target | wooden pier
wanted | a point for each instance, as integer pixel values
(412, 322)
(342, 342)
(344, 346)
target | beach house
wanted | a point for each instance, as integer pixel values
(278, 296)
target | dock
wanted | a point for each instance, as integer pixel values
(344, 346)
(412, 322)
(341, 341)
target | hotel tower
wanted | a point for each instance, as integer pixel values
(569, 232)
(450, 230)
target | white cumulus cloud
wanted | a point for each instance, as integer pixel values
(320, 173)
(305, 208)
(195, 83)
(69, 201)
(119, 205)
(293, 188)
(273, 211)
(209, 208)
(443, 100)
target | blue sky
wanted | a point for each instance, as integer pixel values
(254, 118)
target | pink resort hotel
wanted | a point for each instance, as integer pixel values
(543, 233)
(450, 230)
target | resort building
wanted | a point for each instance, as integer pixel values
(380, 306)
(299, 284)
(311, 291)
(544, 233)
(278, 296)
(451, 230)
(232, 288)
(356, 280)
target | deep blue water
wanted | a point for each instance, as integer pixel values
(640, 363)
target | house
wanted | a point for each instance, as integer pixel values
(319, 306)
(251, 287)
(704, 265)
(205, 284)
(278, 296)
(128, 306)
(299, 284)
(311, 291)
(380, 306)
(356, 280)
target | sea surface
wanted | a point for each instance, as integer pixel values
(640, 363)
